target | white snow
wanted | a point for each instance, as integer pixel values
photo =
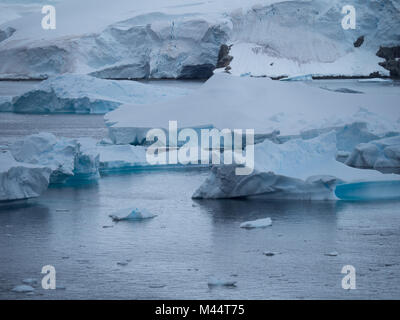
(21, 180)
(260, 223)
(85, 94)
(227, 101)
(132, 214)
(182, 38)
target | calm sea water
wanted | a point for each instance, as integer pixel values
(175, 254)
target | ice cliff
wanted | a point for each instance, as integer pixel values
(21, 180)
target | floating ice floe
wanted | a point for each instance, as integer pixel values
(67, 158)
(23, 289)
(73, 93)
(260, 223)
(298, 170)
(216, 282)
(382, 155)
(131, 214)
(226, 101)
(332, 254)
(21, 180)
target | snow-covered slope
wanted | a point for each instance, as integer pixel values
(85, 94)
(21, 180)
(181, 39)
(264, 105)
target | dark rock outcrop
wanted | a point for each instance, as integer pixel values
(392, 57)
(358, 43)
(224, 59)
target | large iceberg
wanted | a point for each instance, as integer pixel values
(231, 102)
(296, 170)
(85, 94)
(382, 155)
(182, 39)
(21, 180)
(68, 159)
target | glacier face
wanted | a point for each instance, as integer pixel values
(183, 39)
(73, 93)
(21, 180)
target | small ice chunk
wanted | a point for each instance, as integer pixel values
(261, 223)
(30, 282)
(130, 214)
(215, 282)
(332, 254)
(23, 289)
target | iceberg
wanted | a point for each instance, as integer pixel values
(68, 159)
(296, 170)
(132, 214)
(220, 102)
(260, 223)
(382, 155)
(23, 288)
(85, 94)
(21, 180)
(5, 103)
(120, 158)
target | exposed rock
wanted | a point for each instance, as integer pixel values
(358, 43)
(224, 59)
(392, 57)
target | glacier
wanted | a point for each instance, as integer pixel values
(73, 93)
(183, 39)
(219, 103)
(296, 170)
(21, 180)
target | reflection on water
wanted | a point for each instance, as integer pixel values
(176, 253)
